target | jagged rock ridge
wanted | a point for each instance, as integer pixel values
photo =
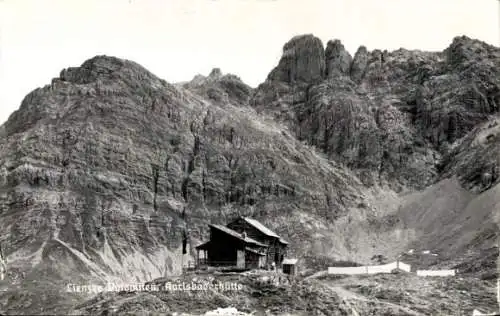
(391, 116)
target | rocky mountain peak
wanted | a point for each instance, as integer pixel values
(463, 49)
(359, 63)
(99, 66)
(219, 87)
(337, 58)
(101, 77)
(418, 99)
(464, 40)
(108, 68)
(216, 73)
(303, 60)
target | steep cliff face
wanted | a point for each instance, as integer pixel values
(390, 116)
(102, 170)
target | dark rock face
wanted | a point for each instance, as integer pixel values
(337, 58)
(303, 60)
(374, 139)
(359, 64)
(476, 158)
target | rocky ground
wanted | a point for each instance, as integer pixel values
(392, 294)
(347, 157)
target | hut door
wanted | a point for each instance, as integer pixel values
(240, 261)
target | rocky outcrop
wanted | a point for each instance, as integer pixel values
(337, 59)
(377, 140)
(303, 60)
(220, 88)
(359, 64)
(475, 159)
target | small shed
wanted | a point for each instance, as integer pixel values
(290, 266)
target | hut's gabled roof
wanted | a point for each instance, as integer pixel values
(263, 229)
(258, 225)
(235, 234)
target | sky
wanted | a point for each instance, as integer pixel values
(177, 39)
